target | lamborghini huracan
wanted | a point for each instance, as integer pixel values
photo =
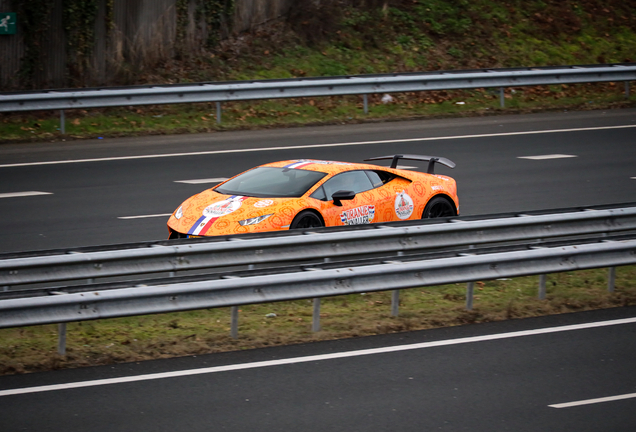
(308, 193)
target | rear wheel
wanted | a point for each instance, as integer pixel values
(438, 207)
(306, 219)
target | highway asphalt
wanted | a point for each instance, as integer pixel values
(572, 372)
(486, 377)
(121, 190)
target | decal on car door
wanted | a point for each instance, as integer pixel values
(358, 215)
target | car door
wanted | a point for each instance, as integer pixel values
(384, 194)
(360, 210)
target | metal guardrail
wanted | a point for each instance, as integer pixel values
(235, 251)
(598, 226)
(315, 87)
(89, 285)
(392, 275)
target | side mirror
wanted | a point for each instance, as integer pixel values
(342, 195)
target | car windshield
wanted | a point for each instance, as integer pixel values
(270, 182)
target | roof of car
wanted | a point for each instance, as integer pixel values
(325, 166)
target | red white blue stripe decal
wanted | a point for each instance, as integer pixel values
(299, 164)
(207, 225)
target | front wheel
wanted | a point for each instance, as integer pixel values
(438, 207)
(306, 219)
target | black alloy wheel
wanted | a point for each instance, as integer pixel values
(306, 219)
(438, 207)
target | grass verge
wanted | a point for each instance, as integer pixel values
(108, 341)
(196, 118)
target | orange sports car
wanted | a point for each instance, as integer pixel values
(315, 193)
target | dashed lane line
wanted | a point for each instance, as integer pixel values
(202, 181)
(548, 156)
(593, 401)
(407, 167)
(145, 216)
(23, 194)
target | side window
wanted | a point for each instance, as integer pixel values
(319, 194)
(356, 181)
(375, 179)
(379, 178)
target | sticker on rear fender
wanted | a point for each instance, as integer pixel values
(403, 205)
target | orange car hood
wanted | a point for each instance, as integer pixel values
(212, 213)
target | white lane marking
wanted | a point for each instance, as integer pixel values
(145, 216)
(633, 178)
(593, 401)
(548, 156)
(211, 152)
(403, 167)
(23, 194)
(202, 181)
(313, 358)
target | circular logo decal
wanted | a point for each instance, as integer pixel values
(403, 205)
(223, 208)
(263, 203)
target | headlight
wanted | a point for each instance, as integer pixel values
(254, 220)
(179, 213)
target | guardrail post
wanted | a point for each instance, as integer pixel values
(395, 303)
(626, 89)
(542, 282)
(62, 123)
(611, 279)
(218, 113)
(502, 101)
(315, 325)
(234, 324)
(470, 289)
(365, 99)
(61, 331)
(61, 339)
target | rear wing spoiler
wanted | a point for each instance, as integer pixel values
(431, 160)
